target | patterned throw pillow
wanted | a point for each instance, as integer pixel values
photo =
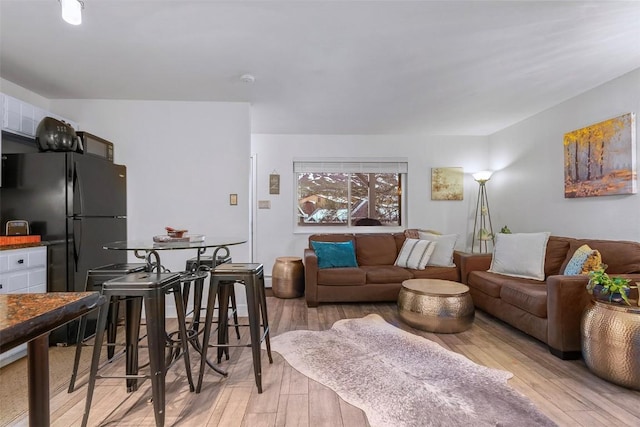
(415, 254)
(335, 254)
(583, 260)
(593, 262)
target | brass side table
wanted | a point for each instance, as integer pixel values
(611, 342)
(435, 305)
(287, 277)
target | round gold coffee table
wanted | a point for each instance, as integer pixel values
(435, 305)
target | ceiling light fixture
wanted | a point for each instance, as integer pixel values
(72, 11)
(247, 78)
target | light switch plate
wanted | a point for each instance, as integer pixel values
(264, 204)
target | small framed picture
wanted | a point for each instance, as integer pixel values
(233, 199)
(274, 184)
(446, 183)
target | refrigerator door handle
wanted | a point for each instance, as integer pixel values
(77, 240)
(77, 189)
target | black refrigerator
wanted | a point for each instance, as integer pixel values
(75, 202)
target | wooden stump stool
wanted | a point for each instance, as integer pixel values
(287, 277)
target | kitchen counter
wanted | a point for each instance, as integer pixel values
(29, 318)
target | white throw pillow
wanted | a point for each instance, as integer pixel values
(520, 255)
(443, 253)
(415, 254)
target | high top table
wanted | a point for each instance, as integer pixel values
(149, 251)
(30, 318)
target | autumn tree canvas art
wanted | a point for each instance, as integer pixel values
(600, 160)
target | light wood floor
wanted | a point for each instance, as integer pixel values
(564, 390)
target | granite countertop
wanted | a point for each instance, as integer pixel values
(24, 317)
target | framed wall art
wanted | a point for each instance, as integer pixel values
(446, 183)
(274, 183)
(600, 159)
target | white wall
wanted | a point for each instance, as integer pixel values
(275, 232)
(12, 89)
(527, 191)
(183, 160)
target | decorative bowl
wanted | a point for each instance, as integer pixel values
(176, 233)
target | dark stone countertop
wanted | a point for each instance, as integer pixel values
(24, 317)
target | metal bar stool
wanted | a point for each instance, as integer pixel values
(151, 287)
(252, 277)
(192, 266)
(95, 278)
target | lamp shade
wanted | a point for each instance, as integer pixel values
(72, 11)
(482, 176)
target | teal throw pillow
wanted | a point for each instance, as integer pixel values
(335, 254)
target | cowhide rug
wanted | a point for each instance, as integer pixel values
(400, 379)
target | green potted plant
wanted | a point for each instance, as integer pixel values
(604, 287)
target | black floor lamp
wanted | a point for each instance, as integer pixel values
(482, 228)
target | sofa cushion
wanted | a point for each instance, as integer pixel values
(527, 295)
(489, 283)
(376, 249)
(621, 257)
(432, 272)
(342, 276)
(335, 254)
(415, 253)
(557, 249)
(386, 274)
(400, 238)
(443, 253)
(520, 255)
(328, 237)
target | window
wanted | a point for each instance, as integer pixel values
(349, 193)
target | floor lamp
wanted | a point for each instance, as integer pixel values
(483, 216)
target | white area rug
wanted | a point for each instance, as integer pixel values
(400, 379)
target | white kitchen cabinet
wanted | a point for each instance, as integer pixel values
(22, 271)
(23, 118)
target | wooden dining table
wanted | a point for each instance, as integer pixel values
(29, 318)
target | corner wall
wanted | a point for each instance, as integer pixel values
(527, 189)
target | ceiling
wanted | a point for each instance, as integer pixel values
(328, 67)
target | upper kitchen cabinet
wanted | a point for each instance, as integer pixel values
(22, 118)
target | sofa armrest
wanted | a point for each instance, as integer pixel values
(567, 298)
(311, 277)
(472, 262)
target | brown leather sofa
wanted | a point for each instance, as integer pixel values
(549, 310)
(375, 279)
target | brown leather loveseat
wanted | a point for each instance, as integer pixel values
(549, 310)
(376, 278)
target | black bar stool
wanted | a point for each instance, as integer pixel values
(151, 287)
(252, 277)
(192, 266)
(95, 278)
